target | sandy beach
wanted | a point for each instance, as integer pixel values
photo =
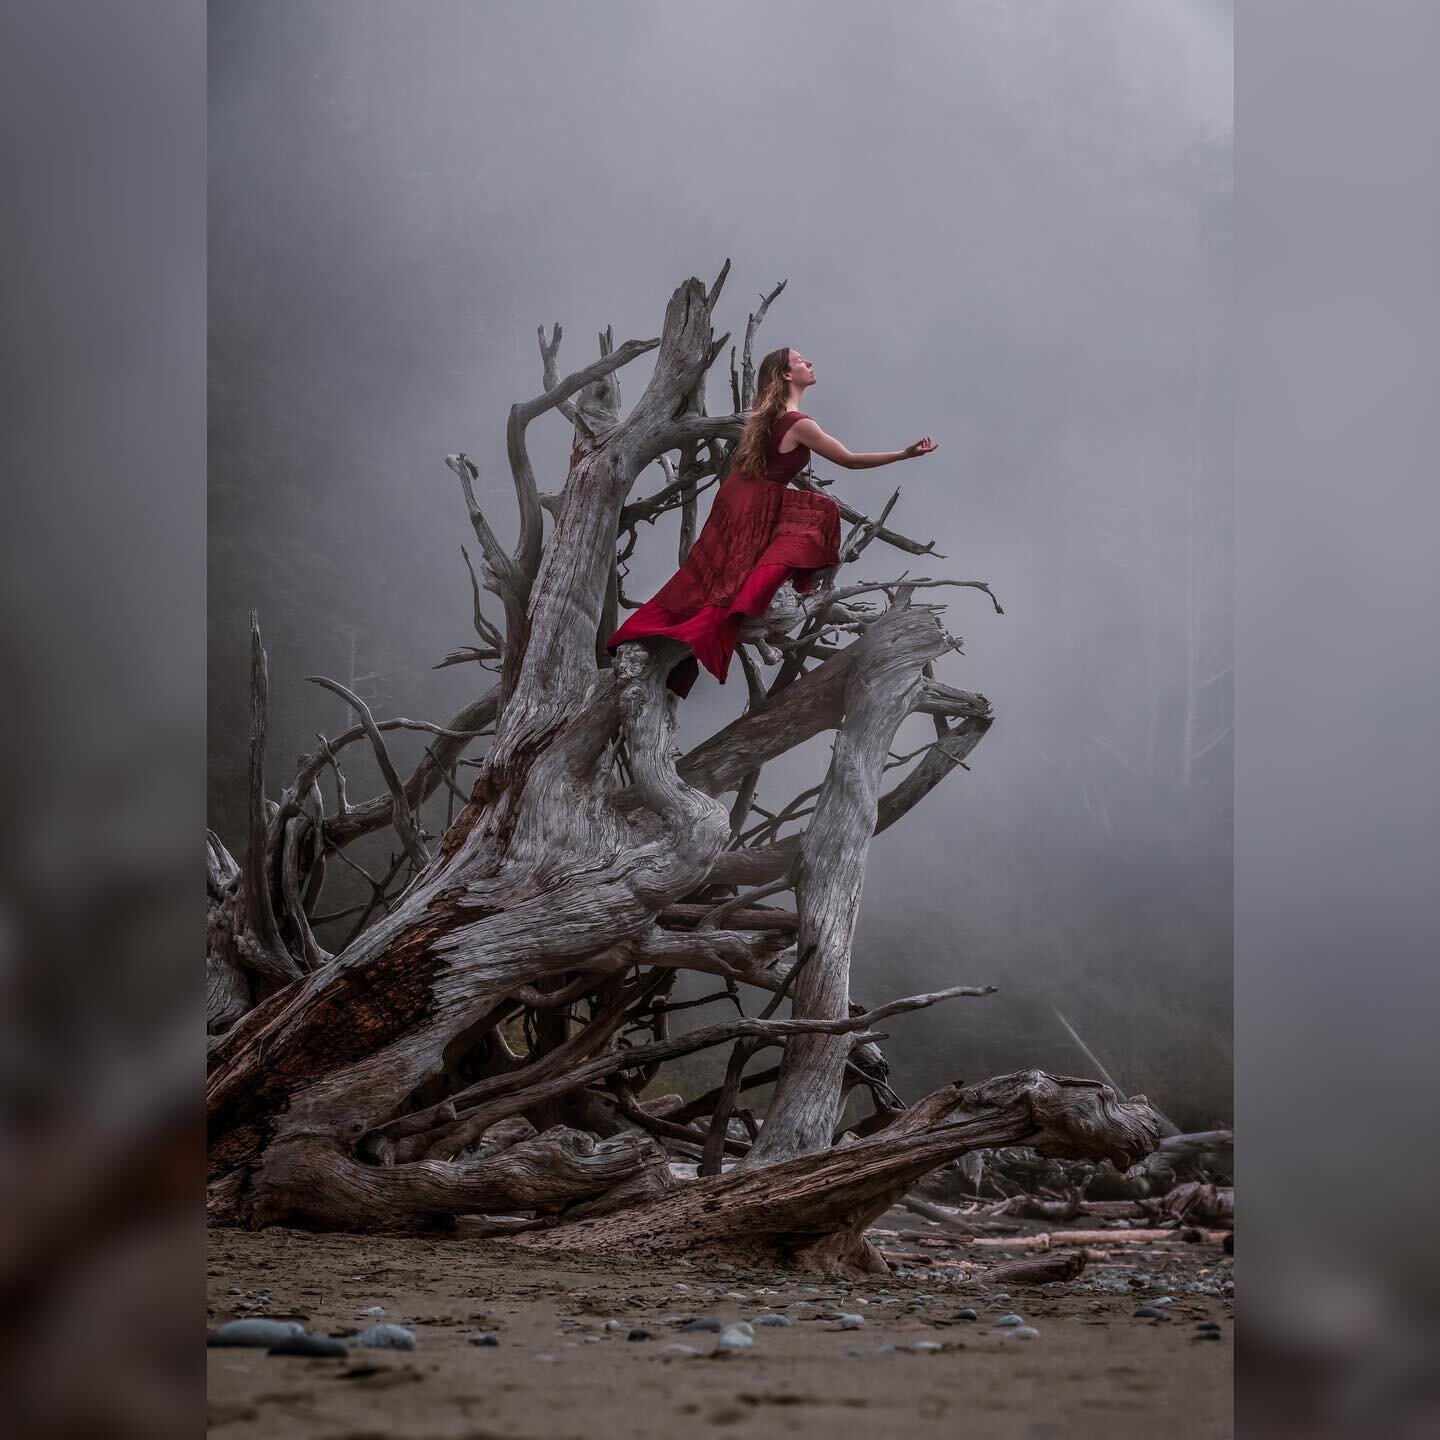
(564, 1364)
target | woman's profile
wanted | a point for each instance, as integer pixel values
(760, 532)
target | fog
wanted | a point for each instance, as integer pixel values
(1003, 225)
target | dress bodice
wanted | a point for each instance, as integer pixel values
(782, 468)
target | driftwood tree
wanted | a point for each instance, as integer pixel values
(479, 1044)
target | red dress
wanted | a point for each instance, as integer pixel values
(760, 532)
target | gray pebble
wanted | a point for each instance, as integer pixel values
(309, 1345)
(1207, 1335)
(259, 1333)
(613, 1325)
(678, 1350)
(966, 1314)
(386, 1337)
(706, 1323)
(638, 1335)
(1009, 1321)
(926, 1347)
(851, 1322)
(492, 1340)
(734, 1338)
(1025, 1332)
(770, 1320)
(1149, 1312)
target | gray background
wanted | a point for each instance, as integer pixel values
(1007, 226)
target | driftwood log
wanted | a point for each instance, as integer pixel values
(474, 1037)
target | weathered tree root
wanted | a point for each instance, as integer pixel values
(315, 1184)
(364, 1077)
(812, 1211)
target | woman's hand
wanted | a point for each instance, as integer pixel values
(920, 447)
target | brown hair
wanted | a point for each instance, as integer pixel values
(771, 390)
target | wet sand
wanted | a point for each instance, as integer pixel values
(558, 1372)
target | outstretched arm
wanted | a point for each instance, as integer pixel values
(807, 432)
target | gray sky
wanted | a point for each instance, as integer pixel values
(1003, 225)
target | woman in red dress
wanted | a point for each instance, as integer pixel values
(760, 532)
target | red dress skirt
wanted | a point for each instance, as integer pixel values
(760, 532)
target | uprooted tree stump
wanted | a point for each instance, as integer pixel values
(382, 1085)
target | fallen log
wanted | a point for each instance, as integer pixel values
(1047, 1238)
(813, 1210)
(1045, 1271)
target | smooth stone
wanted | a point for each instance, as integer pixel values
(592, 1339)
(491, 1339)
(851, 1322)
(770, 1320)
(678, 1350)
(374, 1310)
(638, 1335)
(734, 1338)
(261, 1334)
(386, 1337)
(1009, 1321)
(1207, 1335)
(925, 1347)
(1025, 1332)
(613, 1325)
(706, 1323)
(1163, 1300)
(1149, 1312)
(309, 1345)
(966, 1314)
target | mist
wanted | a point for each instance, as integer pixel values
(1003, 225)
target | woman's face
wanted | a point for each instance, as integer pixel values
(802, 372)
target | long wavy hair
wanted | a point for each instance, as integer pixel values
(772, 386)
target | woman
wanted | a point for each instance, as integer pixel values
(760, 531)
